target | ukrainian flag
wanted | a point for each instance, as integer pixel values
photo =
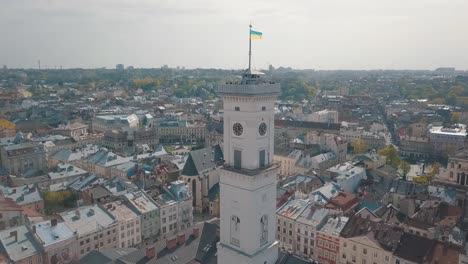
(255, 35)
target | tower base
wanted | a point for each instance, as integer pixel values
(228, 255)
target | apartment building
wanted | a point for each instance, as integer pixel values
(94, 227)
(145, 207)
(286, 217)
(129, 232)
(368, 240)
(19, 246)
(20, 158)
(183, 131)
(328, 240)
(307, 224)
(102, 123)
(176, 209)
(447, 140)
(57, 240)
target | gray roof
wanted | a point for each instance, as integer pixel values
(66, 171)
(22, 195)
(49, 234)
(24, 247)
(202, 160)
(87, 219)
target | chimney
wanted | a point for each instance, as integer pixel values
(34, 229)
(15, 235)
(150, 251)
(53, 222)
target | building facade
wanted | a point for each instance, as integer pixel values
(94, 227)
(148, 211)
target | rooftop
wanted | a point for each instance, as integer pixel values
(334, 225)
(120, 211)
(19, 243)
(50, 234)
(141, 202)
(293, 208)
(22, 195)
(87, 219)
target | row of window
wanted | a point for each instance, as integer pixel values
(96, 246)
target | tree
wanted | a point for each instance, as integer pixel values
(57, 201)
(359, 146)
(426, 179)
(405, 167)
(391, 153)
(455, 118)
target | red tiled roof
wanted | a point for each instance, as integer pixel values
(7, 204)
(344, 201)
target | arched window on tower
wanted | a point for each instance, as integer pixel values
(235, 230)
(263, 229)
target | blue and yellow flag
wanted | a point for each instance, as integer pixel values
(255, 35)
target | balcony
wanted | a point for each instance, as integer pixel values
(249, 89)
(272, 166)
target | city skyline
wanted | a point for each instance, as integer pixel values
(332, 35)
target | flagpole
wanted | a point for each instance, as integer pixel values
(250, 44)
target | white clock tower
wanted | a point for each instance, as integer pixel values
(248, 179)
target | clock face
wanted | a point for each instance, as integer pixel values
(262, 129)
(237, 129)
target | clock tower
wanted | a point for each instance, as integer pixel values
(248, 178)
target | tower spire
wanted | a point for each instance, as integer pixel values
(250, 46)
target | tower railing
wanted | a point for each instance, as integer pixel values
(250, 89)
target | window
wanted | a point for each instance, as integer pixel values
(237, 159)
(263, 108)
(364, 261)
(298, 238)
(81, 243)
(264, 229)
(364, 251)
(237, 108)
(235, 229)
(354, 247)
(261, 158)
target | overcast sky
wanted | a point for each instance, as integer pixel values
(311, 34)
